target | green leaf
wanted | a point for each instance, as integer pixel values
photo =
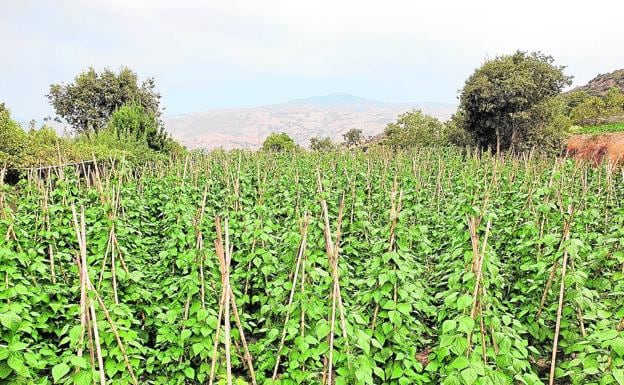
(397, 371)
(469, 376)
(466, 324)
(80, 362)
(464, 302)
(618, 346)
(59, 371)
(322, 329)
(83, 377)
(16, 362)
(5, 370)
(197, 348)
(460, 363)
(448, 325)
(404, 308)
(10, 320)
(189, 372)
(618, 374)
(607, 335)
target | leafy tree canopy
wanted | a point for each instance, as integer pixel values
(321, 144)
(12, 138)
(353, 137)
(88, 102)
(505, 99)
(279, 142)
(414, 129)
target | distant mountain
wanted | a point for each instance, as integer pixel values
(602, 83)
(330, 115)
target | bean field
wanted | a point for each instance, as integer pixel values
(429, 267)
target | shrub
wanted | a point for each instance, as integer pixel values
(13, 140)
(353, 137)
(415, 129)
(279, 143)
(321, 144)
(133, 121)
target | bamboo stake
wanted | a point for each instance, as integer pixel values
(301, 252)
(81, 235)
(553, 360)
(243, 339)
(564, 237)
(226, 274)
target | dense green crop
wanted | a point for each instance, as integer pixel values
(349, 268)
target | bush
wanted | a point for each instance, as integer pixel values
(13, 140)
(134, 122)
(415, 129)
(279, 143)
(107, 145)
(321, 144)
(585, 109)
(353, 137)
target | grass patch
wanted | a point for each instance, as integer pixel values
(603, 128)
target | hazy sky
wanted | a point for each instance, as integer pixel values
(213, 54)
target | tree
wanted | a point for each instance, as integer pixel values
(13, 139)
(279, 143)
(133, 120)
(353, 137)
(88, 102)
(414, 129)
(321, 144)
(503, 101)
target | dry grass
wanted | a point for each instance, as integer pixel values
(595, 148)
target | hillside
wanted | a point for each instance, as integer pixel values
(602, 83)
(331, 115)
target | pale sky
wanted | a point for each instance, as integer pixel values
(216, 54)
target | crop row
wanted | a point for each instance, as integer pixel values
(345, 268)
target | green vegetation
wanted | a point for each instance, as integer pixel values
(585, 109)
(509, 103)
(132, 121)
(88, 102)
(602, 129)
(322, 144)
(353, 137)
(114, 119)
(427, 267)
(279, 143)
(415, 129)
(21, 150)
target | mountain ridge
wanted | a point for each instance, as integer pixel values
(303, 118)
(602, 83)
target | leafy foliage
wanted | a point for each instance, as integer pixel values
(415, 129)
(586, 109)
(133, 121)
(353, 137)
(88, 102)
(602, 129)
(321, 144)
(279, 142)
(507, 102)
(12, 139)
(448, 267)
